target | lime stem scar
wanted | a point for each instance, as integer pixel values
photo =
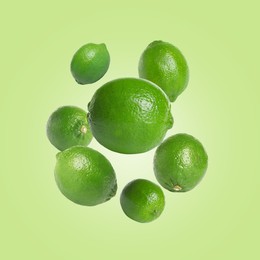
(83, 129)
(177, 188)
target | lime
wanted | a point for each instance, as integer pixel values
(142, 200)
(90, 63)
(68, 126)
(85, 176)
(129, 115)
(164, 64)
(180, 163)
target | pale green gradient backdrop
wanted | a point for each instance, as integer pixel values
(217, 220)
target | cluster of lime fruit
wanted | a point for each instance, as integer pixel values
(129, 116)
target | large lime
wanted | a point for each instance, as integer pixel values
(129, 115)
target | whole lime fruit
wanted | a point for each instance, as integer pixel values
(68, 126)
(142, 200)
(90, 63)
(129, 115)
(85, 176)
(180, 163)
(164, 64)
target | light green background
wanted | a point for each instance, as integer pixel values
(217, 220)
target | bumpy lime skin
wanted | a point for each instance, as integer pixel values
(165, 65)
(68, 126)
(180, 163)
(85, 176)
(129, 125)
(90, 63)
(142, 200)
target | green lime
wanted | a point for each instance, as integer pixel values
(85, 176)
(129, 115)
(90, 63)
(68, 126)
(180, 163)
(164, 64)
(142, 200)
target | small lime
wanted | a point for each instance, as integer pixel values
(68, 126)
(129, 115)
(164, 64)
(85, 176)
(142, 200)
(90, 63)
(180, 163)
